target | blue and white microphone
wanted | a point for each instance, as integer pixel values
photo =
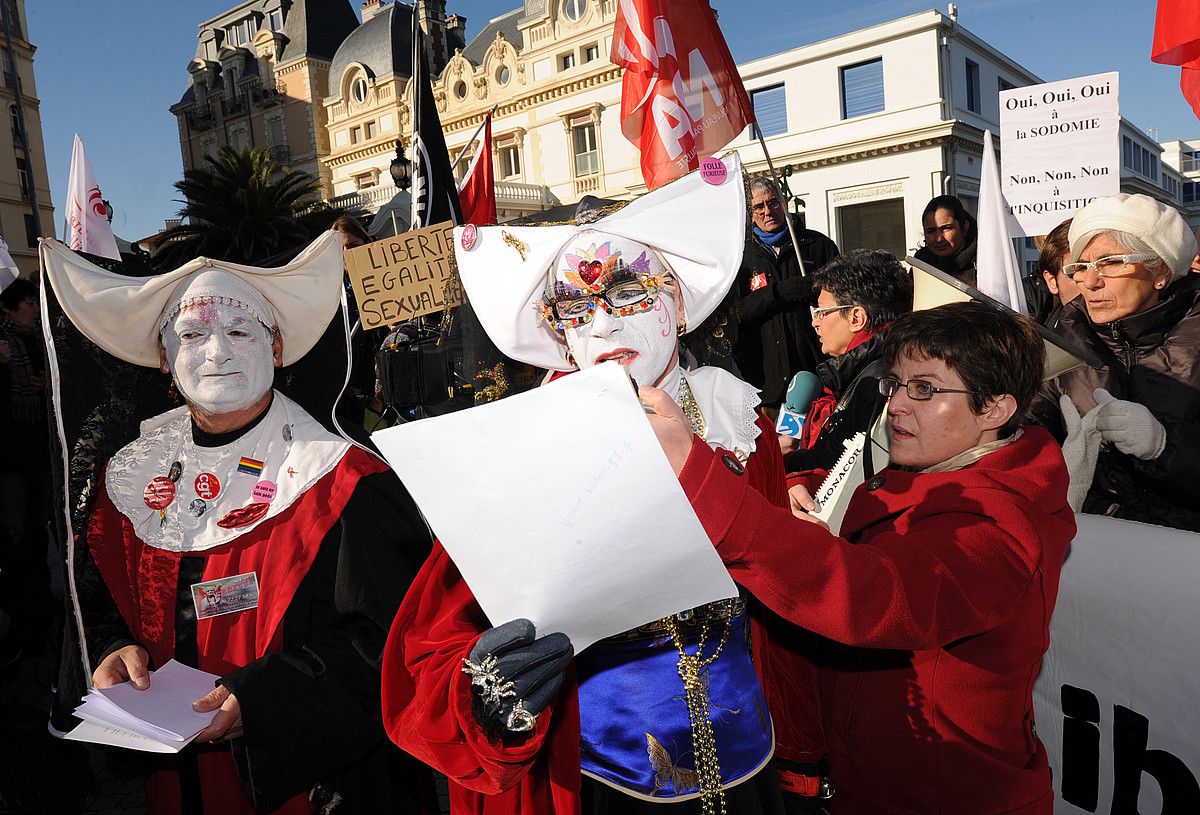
(801, 393)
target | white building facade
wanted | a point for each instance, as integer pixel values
(865, 127)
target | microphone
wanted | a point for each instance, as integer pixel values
(801, 393)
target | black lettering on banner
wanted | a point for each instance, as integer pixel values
(1131, 734)
(1180, 792)
(1081, 747)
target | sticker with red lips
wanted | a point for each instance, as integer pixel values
(243, 516)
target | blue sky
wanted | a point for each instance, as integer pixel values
(110, 71)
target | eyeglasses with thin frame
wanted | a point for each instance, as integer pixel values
(918, 389)
(1110, 266)
(770, 203)
(818, 314)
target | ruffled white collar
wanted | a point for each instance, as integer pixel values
(729, 407)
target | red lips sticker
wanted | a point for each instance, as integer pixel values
(244, 516)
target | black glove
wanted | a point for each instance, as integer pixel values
(794, 290)
(508, 666)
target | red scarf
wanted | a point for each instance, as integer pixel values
(823, 406)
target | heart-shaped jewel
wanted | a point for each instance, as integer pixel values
(590, 270)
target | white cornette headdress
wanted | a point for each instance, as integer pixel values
(697, 230)
(123, 315)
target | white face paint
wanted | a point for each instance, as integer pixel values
(220, 357)
(645, 342)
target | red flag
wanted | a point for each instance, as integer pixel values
(681, 98)
(1177, 42)
(477, 191)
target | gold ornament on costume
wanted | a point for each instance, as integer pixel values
(512, 240)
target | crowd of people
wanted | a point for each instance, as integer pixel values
(884, 665)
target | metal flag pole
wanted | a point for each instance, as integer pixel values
(787, 219)
(470, 141)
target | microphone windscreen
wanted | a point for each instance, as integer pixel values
(803, 391)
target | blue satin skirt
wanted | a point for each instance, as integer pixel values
(635, 731)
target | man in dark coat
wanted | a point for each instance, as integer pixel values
(776, 338)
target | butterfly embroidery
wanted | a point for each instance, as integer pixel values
(665, 772)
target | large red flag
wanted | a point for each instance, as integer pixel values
(682, 98)
(477, 190)
(1177, 42)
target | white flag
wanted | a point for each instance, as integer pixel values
(87, 227)
(8, 267)
(998, 275)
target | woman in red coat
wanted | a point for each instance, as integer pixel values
(942, 588)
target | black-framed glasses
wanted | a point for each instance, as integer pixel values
(918, 389)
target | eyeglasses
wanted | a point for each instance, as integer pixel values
(918, 389)
(622, 299)
(1111, 266)
(762, 206)
(818, 314)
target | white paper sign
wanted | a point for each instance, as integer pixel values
(1059, 148)
(1116, 700)
(558, 505)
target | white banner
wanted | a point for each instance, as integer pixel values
(1118, 699)
(1059, 148)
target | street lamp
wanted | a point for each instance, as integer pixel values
(108, 209)
(401, 168)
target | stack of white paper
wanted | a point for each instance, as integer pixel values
(159, 719)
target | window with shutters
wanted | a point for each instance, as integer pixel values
(862, 88)
(770, 111)
(585, 150)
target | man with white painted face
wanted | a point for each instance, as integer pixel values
(238, 535)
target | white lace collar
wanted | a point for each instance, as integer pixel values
(728, 405)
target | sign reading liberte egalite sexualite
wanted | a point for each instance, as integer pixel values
(1059, 148)
(403, 277)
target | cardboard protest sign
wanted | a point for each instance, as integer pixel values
(403, 277)
(1059, 148)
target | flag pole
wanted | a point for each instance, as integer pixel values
(470, 141)
(787, 219)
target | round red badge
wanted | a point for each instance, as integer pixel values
(208, 486)
(159, 493)
(469, 235)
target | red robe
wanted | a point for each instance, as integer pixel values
(942, 591)
(427, 698)
(142, 581)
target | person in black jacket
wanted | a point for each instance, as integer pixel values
(860, 293)
(1136, 420)
(776, 338)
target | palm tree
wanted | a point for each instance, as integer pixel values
(241, 208)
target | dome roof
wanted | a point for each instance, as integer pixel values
(383, 44)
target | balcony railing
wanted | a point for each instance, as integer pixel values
(233, 105)
(509, 195)
(263, 95)
(280, 154)
(1189, 164)
(200, 117)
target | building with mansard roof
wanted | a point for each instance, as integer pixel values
(257, 78)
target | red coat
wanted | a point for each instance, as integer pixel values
(944, 584)
(427, 698)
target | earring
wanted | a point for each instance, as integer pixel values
(680, 329)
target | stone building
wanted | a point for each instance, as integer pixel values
(25, 209)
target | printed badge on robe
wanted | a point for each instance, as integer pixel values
(758, 281)
(225, 595)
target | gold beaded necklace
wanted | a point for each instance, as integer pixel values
(692, 666)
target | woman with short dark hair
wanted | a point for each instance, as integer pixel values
(940, 589)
